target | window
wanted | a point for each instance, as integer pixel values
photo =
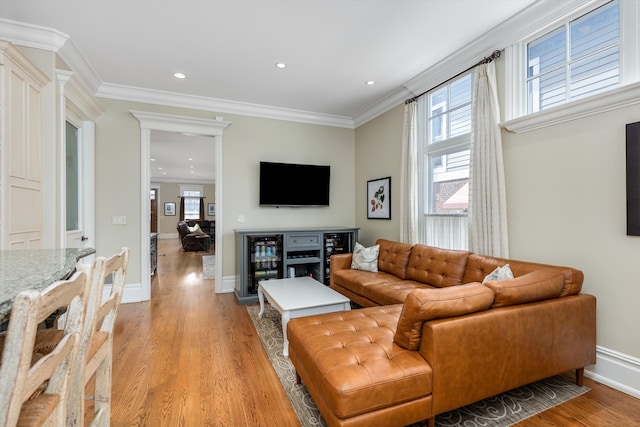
(191, 195)
(444, 121)
(72, 177)
(579, 59)
(191, 204)
(579, 62)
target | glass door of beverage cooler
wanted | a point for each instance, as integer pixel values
(335, 243)
(265, 260)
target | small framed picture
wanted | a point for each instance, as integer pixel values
(379, 198)
(169, 209)
(211, 209)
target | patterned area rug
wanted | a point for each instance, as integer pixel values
(209, 267)
(498, 411)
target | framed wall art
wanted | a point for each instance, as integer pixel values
(379, 198)
(169, 209)
(211, 209)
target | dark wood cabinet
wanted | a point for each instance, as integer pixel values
(154, 253)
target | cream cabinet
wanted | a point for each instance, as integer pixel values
(21, 103)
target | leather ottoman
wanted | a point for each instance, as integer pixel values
(356, 373)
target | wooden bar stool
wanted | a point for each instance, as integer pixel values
(96, 344)
(34, 385)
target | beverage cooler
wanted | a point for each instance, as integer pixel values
(265, 260)
(335, 243)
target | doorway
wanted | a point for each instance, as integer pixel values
(153, 202)
(150, 121)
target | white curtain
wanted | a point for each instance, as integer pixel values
(487, 196)
(409, 177)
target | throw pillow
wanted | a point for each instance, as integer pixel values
(195, 229)
(500, 273)
(365, 259)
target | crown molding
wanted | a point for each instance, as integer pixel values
(540, 14)
(127, 93)
(180, 180)
(37, 37)
(381, 107)
(82, 100)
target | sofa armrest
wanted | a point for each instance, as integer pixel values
(339, 262)
(503, 348)
(428, 304)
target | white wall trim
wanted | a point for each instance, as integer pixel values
(132, 292)
(168, 235)
(596, 104)
(173, 123)
(228, 285)
(617, 370)
(127, 93)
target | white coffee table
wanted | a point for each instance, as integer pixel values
(298, 297)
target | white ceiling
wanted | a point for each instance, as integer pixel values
(228, 48)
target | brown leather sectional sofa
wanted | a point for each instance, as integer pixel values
(432, 338)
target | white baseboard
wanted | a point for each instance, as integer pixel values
(168, 235)
(228, 285)
(132, 292)
(617, 370)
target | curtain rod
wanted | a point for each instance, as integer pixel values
(495, 55)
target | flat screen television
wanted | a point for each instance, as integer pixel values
(291, 184)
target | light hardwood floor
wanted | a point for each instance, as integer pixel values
(191, 357)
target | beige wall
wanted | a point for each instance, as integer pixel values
(251, 140)
(246, 142)
(378, 155)
(566, 205)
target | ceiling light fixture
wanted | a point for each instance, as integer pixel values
(370, 82)
(179, 75)
(281, 65)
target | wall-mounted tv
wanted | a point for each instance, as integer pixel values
(292, 184)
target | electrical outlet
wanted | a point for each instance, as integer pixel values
(240, 218)
(119, 220)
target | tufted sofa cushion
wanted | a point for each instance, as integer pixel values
(353, 362)
(437, 267)
(393, 257)
(535, 286)
(426, 304)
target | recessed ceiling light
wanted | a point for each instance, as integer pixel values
(190, 159)
(153, 160)
(281, 65)
(179, 75)
(164, 173)
(370, 82)
(160, 168)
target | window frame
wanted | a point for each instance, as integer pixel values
(428, 219)
(517, 119)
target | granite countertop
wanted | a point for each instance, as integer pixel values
(34, 269)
